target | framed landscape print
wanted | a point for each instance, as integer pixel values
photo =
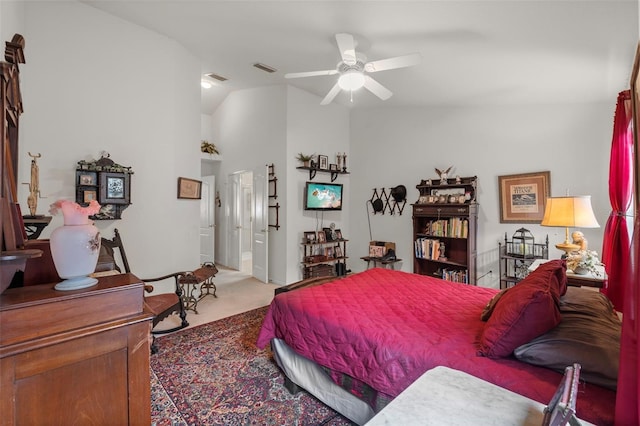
(523, 197)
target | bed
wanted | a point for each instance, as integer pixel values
(379, 330)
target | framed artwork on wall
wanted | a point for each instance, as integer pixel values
(114, 188)
(523, 197)
(190, 189)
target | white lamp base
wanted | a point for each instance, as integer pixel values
(76, 283)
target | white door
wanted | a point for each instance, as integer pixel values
(207, 220)
(234, 221)
(261, 227)
(246, 246)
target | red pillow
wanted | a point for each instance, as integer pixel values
(526, 311)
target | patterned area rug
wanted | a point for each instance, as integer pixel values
(214, 374)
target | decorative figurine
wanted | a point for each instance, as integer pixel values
(458, 179)
(443, 175)
(34, 185)
(580, 240)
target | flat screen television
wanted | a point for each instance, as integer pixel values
(322, 196)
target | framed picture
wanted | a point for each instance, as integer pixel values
(337, 250)
(328, 251)
(310, 237)
(190, 189)
(333, 167)
(114, 188)
(87, 178)
(322, 238)
(89, 196)
(523, 197)
(328, 234)
(338, 234)
(323, 162)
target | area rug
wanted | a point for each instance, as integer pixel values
(214, 374)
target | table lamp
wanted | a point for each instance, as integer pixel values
(574, 211)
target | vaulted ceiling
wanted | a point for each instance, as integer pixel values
(474, 52)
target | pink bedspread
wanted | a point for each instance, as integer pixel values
(386, 328)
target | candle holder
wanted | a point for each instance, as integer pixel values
(344, 161)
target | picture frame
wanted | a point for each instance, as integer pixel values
(87, 179)
(115, 188)
(338, 234)
(328, 252)
(323, 162)
(333, 167)
(322, 238)
(328, 234)
(310, 237)
(88, 196)
(189, 189)
(523, 197)
(337, 250)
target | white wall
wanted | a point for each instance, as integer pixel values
(312, 129)
(403, 146)
(93, 82)
(11, 20)
(271, 125)
(249, 128)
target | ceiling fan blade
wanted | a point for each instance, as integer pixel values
(376, 88)
(310, 73)
(347, 48)
(332, 94)
(392, 63)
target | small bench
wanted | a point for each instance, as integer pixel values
(196, 282)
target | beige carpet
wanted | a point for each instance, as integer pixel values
(237, 292)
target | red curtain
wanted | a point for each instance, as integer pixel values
(623, 262)
(615, 247)
(627, 406)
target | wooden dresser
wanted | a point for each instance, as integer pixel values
(75, 357)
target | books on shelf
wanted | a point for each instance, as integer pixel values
(427, 248)
(456, 275)
(454, 227)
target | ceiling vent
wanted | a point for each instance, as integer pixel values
(265, 68)
(216, 77)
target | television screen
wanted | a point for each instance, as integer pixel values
(323, 196)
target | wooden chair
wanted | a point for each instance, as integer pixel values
(161, 305)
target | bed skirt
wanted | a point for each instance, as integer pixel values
(315, 380)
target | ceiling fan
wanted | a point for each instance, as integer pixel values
(353, 70)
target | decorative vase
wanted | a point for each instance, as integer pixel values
(580, 270)
(75, 247)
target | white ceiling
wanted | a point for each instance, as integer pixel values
(474, 52)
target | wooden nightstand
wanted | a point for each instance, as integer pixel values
(575, 280)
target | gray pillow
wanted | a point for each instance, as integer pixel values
(588, 334)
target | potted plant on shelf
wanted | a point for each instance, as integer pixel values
(582, 262)
(208, 147)
(304, 159)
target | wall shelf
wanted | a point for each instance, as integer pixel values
(313, 170)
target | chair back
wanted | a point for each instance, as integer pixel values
(107, 257)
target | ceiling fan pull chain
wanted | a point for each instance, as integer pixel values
(352, 96)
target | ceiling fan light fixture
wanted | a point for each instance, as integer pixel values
(351, 80)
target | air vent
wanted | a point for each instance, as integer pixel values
(264, 67)
(216, 77)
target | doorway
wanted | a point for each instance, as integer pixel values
(247, 224)
(207, 220)
(240, 221)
